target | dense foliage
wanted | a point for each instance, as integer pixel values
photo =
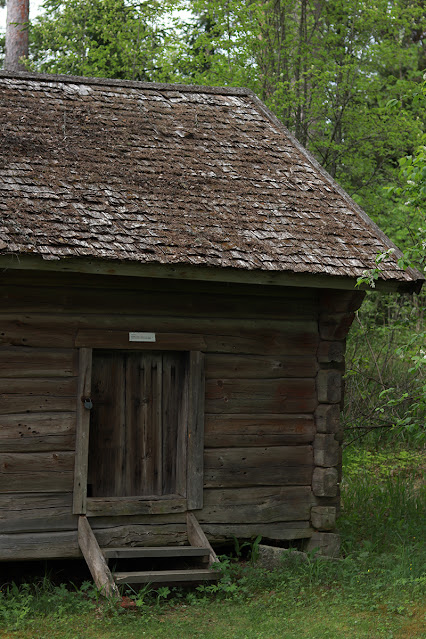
(105, 38)
(386, 380)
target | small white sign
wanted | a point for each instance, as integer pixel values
(141, 337)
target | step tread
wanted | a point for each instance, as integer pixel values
(152, 576)
(155, 551)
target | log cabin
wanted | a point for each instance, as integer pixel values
(177, 282)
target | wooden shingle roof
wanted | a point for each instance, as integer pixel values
(170, 174)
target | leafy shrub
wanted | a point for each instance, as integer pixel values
(385, 398)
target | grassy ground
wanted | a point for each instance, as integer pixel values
(257, 619)
(375, 592)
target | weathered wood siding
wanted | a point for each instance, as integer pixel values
(263, 351)
(336, 313)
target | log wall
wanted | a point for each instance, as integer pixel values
(273, 364)
(336, 314)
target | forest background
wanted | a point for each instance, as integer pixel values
(347, 77)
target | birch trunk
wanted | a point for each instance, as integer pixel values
(16, 34)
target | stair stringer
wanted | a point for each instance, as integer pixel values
(95, 560)
(197, 537)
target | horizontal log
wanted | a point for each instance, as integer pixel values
(260, 396)
(219, 533)
(326, 544)
(23, 512)
(114, 321)
(127, 506)
(256, 504)
(327, 451)
(37, 432)
(335, 326)
(43, 545)
(329, 386)
(329, 501)
(101, 279)
(212, 302)
(21, 361)
(15, 332)
(36, 482)
(325, 482)
(64, 544)
(12, 403)
(54, 462)
(331, 352)
(340, 301)
(145, 520)
(259, 367)
(274, 466)
(38, 512)
(323, 517)
(168, 534)
(285, 337)
(120, 339)
(257, 430)
(293, 338)
(143, 535)
(36, 472)
(57, 387)
(327, 418)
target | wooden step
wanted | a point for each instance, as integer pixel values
(166, 576)
(154, 552)
(96, 559)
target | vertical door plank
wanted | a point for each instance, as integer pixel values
(82, 431)
(173, 402)
(144, 424)
(133, 412)
(169, 423)
(195, 467)
(107, 425)
(181, 449)
(156, 429)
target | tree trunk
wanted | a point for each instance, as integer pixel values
(16, 34)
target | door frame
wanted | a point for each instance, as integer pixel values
(119, 506)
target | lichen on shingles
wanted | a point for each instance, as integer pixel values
(168, 175)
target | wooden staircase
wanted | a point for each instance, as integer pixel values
(97, 559)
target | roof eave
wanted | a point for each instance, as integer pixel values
(198, 273)
(376, 230)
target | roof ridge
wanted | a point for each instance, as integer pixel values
(159, 86)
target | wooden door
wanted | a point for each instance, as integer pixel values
(137, 440)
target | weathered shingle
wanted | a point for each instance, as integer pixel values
(169, 175)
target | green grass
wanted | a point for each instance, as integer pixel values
(256, 619)
(375, 592)
(383, 500)
(284, 612)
